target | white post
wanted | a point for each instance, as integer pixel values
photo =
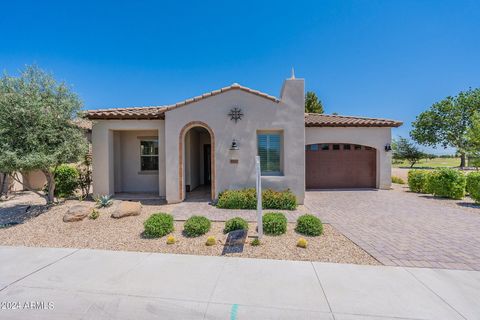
(259, 197)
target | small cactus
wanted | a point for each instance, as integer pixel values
(171, 240)
(211, 241)
(302, 243)
(255, 242)
(94, 215)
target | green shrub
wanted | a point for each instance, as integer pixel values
(247, 199)
(417, 180)
(255, 242)
(274, 223)
(66, 180)
(472, 185)
(397, 180)
(238, 199)
(280, 200)
(309, 225)
(158, 225)
(196, 226)
(236, 223)
(448, 183)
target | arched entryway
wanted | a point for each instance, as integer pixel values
(197, 161)
(340, 165)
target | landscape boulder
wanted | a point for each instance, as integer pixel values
(127, 208)
(77, 213)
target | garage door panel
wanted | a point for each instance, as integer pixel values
(343, 168)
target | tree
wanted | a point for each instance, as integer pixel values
(447, 122)
(312, 103)
(36, 127)
(406, 150)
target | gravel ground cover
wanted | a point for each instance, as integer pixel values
(48, 230)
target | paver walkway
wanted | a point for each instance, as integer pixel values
(43, 283)
(402, 228)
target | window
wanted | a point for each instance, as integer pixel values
(270, 150)
(149, 155)
(336, 147)
(346, 147)
(313, 147)
(357, 147)
(325, 147)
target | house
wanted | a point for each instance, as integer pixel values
(212, 140)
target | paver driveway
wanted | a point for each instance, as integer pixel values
(402, 228)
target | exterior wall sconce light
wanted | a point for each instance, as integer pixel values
(388, 147)
(234, 145)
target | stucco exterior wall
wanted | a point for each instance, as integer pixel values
(106, 134)
(373, 137)
(260, 114)
(128, 176)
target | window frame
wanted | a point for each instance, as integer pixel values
(281, 151)
(148, 139)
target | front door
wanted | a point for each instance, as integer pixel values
(207, 167)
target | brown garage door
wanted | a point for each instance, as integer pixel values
(332, 165)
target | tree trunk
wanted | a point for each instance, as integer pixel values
(4, 187)
(462, 160)
(50, 186)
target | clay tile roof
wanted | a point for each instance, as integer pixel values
(127, 113)
(154, 112)
(84, 124)
(324, 120)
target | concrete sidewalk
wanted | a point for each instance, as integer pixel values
(95, 284)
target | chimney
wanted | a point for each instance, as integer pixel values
(293, 92)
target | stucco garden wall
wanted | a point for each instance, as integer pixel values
(373, 137)
(260, 114)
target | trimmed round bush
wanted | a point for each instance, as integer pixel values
(473, 186)
(447, 183)
(196, 226)
(274, 223)
(471, 181)
(309, 225)
(417, 180)
(236, 223)
(158, 225)
(66, 180)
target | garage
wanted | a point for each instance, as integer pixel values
(340, 165)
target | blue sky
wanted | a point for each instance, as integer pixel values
(385, 58)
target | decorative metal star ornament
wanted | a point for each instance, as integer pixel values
(235, 114)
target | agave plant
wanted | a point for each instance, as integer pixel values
(103, 201)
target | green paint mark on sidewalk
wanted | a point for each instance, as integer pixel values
(233, 312)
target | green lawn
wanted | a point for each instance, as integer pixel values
(434, 163)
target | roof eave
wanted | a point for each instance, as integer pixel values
(327, 125)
